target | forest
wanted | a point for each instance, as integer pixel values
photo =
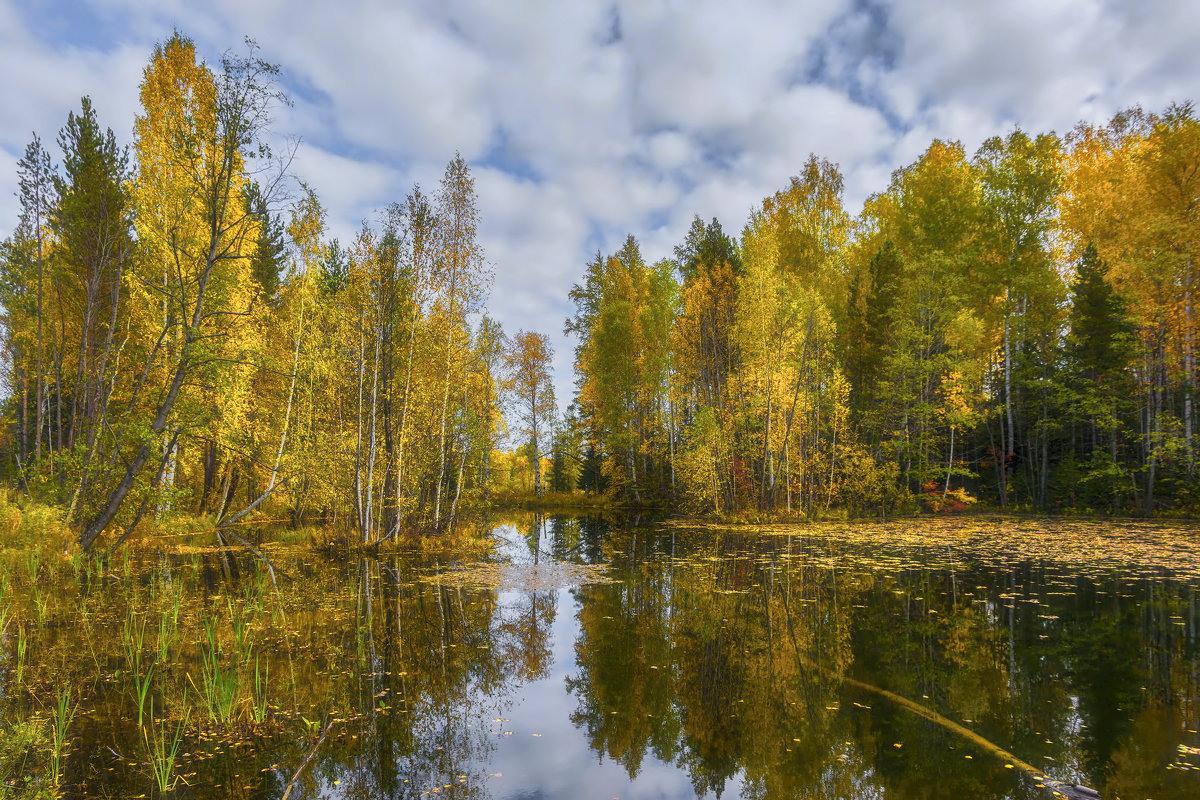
(1013, 328)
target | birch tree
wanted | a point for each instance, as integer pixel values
(461, 278)
(528, 364)
(203, 142)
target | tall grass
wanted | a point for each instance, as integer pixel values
(141, 688)
(141, 675)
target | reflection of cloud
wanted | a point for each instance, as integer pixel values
(586, 121)
(560, 763)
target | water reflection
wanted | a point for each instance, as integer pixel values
(739, 650)
(808, 662)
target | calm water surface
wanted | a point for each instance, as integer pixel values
(579, 658)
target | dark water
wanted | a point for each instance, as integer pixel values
(910, 660)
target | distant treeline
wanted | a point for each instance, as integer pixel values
(1017, 327)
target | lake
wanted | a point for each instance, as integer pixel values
(581, 657)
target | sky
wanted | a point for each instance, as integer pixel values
(584, 122)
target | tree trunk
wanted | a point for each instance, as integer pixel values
(1189, 370)
(437, 502)
(41, 380)
(1010, 447)
(287, 418)
(404, 428)
(371, 451)
(462, 460)
(100, 521)
(949, 467)
(359, 508)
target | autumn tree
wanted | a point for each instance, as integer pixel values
(492, 349)
(1020, 177)
(923, 280)
(792, 404)
(708, 262)
(461, 278)
(35, 177)
(528, 365)
(624, 315)
(1131, 192)
(192, 141)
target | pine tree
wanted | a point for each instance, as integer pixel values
(270, 250)
(92, 225)
(1101, 347)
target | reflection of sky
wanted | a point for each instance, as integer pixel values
(559, 763)
(512, 547)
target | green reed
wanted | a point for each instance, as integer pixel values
(141, 675)
(62, 714)
(242, 643)
(161, 754)
(39, 602)
(220, 682)
(168, 625)
(259, 709)
(22, 644)
(141, 688)
(31, 566)
(135, 640)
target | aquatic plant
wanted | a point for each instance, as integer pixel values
(20, 740)
(62, 714)
(134, 641)
(141, 686)
(39, 602)
(219, 687)
(168, 625)
(162, 756)
(31, 566)
(261, 678)
(242, 643)
(22, 643)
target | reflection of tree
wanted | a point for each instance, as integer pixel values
(569, 539)
(624, 681)
(533, 536)
(410, 671)
(749, 638)
(724, 655)
(527, 633)
(566, 541)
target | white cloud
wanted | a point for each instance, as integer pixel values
(351, 190)
(42, 84)
(587, 121)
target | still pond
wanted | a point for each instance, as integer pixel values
(570, 657)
